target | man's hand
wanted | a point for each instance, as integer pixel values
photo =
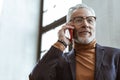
(61, 33)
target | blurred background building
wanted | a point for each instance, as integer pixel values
(28, 28)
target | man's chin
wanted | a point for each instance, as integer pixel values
(83, 40)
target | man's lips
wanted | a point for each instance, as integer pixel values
(84, 32)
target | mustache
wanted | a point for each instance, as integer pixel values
(84, 30)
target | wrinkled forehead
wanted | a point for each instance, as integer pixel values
(83, 12)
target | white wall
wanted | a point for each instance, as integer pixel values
(108, 21)
(18, 38)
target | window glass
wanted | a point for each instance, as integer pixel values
(55, 9)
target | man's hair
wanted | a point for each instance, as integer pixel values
(78, 6)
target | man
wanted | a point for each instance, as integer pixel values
(87, 60)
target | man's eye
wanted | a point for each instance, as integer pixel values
(90, 20)
(78, 20)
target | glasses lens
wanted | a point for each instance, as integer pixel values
(90, 19)
(78, 19)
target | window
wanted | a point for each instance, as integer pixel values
(53, 11)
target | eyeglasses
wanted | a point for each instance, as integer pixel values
(79, 20)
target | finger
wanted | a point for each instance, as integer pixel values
(67, 26)
(71, 25)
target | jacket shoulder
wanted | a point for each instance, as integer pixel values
(109, 49)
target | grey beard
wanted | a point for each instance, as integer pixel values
(85, 40)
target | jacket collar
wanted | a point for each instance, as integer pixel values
(99, 59)
(71, 60)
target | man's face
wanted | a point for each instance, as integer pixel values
(84, 22)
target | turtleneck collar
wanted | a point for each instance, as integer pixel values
(91, 45)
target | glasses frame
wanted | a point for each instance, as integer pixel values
(93, 19)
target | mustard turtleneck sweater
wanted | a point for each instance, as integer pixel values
(85, 60)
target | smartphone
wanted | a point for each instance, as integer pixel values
(71, 34)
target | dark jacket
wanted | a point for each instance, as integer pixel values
(56, 65)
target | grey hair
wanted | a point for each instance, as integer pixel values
(78, 6)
